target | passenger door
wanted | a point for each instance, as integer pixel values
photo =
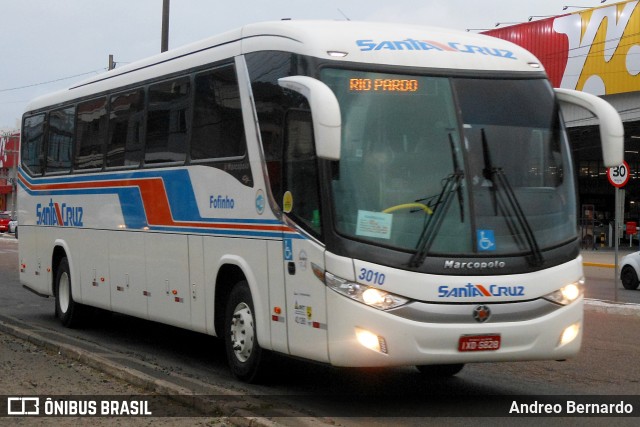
(303, 252)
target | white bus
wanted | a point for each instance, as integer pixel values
(355, 194)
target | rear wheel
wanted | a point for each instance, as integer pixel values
(440, 371)
(67, 310)
(629, 278)
(244, 355)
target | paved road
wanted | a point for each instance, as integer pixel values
(173, 361)
(604, 257)
(600, 274)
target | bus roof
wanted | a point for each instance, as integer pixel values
(350, 41)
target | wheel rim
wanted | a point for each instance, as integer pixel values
(64, 292)
(242, 332)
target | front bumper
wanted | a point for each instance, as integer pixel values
(421, 340)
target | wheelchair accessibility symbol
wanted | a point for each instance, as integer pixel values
(486, 240)
(288, 250)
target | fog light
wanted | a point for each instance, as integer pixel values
(371, 341)
(569, 334)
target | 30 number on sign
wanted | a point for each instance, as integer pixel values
(619, 175)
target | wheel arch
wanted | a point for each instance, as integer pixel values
(630, 261)
(232, 270)
(61, 250)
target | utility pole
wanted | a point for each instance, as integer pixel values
(165, 26)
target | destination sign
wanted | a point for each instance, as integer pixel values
(383, 85)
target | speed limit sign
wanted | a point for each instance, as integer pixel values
(619, 175)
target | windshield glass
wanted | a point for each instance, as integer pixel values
(451, 166)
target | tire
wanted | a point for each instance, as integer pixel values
(440, 371)
(244, 355)
(629, 277)
(67, 310)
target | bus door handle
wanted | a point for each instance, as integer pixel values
(291, 267)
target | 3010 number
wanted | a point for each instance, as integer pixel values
(371, 276)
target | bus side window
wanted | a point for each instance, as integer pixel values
(167, 121)
(301, 169)
(32, 149)
(124, 144)
(60, 140)
(91, 127)
(217, 130)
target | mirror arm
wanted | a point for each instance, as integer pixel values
(325, 113)
(611, 128)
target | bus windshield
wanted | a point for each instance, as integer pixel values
(451, 165)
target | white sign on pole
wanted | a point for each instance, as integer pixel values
(619, 175)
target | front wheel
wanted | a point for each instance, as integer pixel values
(629, 278)
(67, 310)
(440, 371)
(244, 355)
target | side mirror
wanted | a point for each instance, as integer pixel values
(611, 129)
(325, 113)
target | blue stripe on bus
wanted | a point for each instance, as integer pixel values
(182, 203)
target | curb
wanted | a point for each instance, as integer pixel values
(610, 307)
(237, 416)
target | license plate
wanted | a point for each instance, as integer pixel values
(479, 343)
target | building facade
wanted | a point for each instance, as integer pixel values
(597, 51)
(9, 148)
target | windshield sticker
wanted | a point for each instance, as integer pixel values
(374, 224)
(486, 240)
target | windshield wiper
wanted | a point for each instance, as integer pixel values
(457, 170)
(451, 184)
(434, 221)
(499, 180)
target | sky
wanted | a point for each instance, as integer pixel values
(47, 45)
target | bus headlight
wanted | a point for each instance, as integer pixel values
(373, 297)
(567, 294)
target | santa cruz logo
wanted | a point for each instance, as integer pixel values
(426, 45)
(471, 290)
(59, 214)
